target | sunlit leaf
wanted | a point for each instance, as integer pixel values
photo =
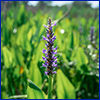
(34, 74)
(65, 89)
(8, 58)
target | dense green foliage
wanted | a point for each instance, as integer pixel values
(21, 55)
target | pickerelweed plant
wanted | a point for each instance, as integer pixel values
(50, 59)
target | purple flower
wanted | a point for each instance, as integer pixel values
(54, 57)
(50, 58)
(46, 44)
(43, 58)
(46, 55)
(55, 52)
(44, 65)
(46, 73)
(44, 51)
(55, 61)
(50, 28)
(54, 48)
(54, 65)
(53, 38)
(47, 35)
(52, 61)
(45, 26)
(55, 23)
(44, 38)
(54, 72)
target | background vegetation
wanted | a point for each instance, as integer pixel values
(21, 50)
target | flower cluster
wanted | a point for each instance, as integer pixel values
(50, 58)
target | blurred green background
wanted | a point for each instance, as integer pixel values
(21, 49)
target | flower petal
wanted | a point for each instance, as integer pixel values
(55, 61)
(54, 57)
(46, 73)
(46, 55)
(55, 52)
(44, 38)
(54, 72)
(50, 41)
(54, 37)
(47, 35)
(44, 65)
(50, 28)
(55, 23)
(44, 51)
(43, 58)
(45, 26)
(54, 65)
(46, 44)
(55, 48)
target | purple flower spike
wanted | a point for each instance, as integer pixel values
(50, 58)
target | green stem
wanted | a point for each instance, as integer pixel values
(50, 87)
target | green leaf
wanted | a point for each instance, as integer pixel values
(32, 85)
(4, 95)
(35, 74)
(18, 57)
(65, 90)
(38, 52)
(31, 32)
(22, 15)
(80, 57)
(69, 44)
(59, 14)
(22, 38)
(34, 92)
(8, 58)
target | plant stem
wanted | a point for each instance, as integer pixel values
(50, 87)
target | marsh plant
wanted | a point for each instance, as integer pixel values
(50, 60)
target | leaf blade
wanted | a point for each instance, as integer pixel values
(65, 90)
